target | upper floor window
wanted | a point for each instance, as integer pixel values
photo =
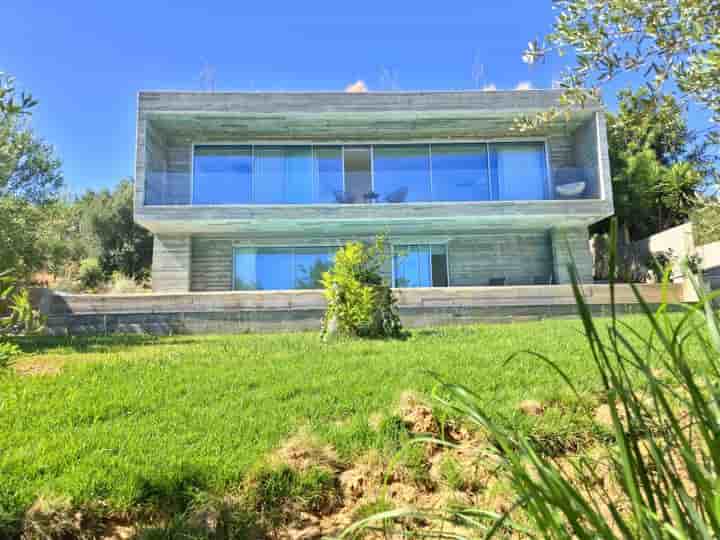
(222, 175)
(387, 173)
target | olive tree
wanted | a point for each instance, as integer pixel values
(672, 45)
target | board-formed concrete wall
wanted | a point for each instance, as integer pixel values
(518, 257)
(171, 264)
(269, 311)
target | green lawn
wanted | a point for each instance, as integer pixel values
(132, 421)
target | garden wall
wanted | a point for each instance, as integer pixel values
(252, 311)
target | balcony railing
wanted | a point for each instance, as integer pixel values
(378, 174)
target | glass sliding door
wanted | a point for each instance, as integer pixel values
(402, 173)
(329, 176)
(460, 172)
(299, 175)
(283, 175)
(519, 171)
(387, 173)
(420, 266)
(222, 175)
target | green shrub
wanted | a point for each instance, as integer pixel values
(17, 317)
(360, 304)
(7, 352)
(90, 275)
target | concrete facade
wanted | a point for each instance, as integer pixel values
(520, 242)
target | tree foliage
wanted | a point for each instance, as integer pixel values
(29, 168)
(20, 241)
(672, 45)
(123, 246)
(657, 169)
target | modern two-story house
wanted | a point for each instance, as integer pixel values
(256, 191)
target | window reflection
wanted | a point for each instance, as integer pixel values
(399, 173)
(460, 172)
(281, 268)
(420, 266)
(519, 171)
(222, 175)
(402, 173)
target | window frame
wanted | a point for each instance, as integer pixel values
(444, 243)
(371, 143)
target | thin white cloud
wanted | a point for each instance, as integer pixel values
(489, 88)
(524, 85)
(358, 87)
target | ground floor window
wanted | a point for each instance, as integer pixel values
(420, 265)
(280, 268)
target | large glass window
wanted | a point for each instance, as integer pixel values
(460, 172)
(387, 173)
(222, 175)
(519, 171)
(280, 268)
(402, 173)
(420, 266)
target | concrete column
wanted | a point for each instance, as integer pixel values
(571, 244)
(171, 263)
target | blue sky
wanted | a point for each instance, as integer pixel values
(86, 60)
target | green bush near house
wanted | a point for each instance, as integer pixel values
(360, 304)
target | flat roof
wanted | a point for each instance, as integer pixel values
(511, 101)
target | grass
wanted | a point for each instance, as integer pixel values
(137, 421)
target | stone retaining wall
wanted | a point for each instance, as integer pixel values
(273, 311)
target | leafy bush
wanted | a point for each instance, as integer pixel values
(17, 315)
(7, 352)
(23, 318)
(90, 275)
(360, 304)
(661, 262)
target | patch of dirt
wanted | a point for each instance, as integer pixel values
(531, 407)
(37, 368)
(57, 518)
(119, 532)
(374, 478)
(417, 415)
(304, 451)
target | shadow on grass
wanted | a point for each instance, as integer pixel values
(91, 344)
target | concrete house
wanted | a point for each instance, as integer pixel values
(256, 191)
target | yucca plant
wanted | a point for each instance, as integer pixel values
(657, 478)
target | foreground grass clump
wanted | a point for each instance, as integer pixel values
(657, 477)
(137, 422)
